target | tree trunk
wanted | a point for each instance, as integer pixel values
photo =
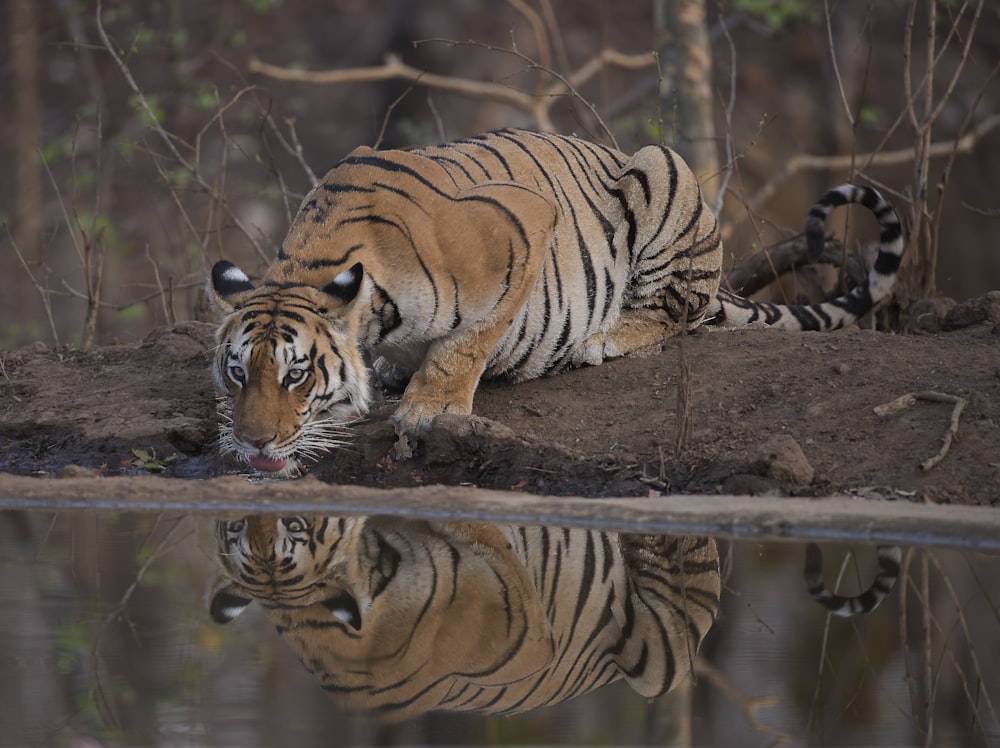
(27, 126)
(689, 124)
(20, 302)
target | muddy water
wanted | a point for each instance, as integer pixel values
(106, 639)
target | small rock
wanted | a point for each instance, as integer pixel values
(452, 437)
(927, 315)
(782, 458)
(985, 308)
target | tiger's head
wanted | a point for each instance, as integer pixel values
(288, 360)
(287, 561)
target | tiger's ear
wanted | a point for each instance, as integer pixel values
(226, 601)
(346, 285)
(227, 283)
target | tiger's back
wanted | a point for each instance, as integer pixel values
(600, 231)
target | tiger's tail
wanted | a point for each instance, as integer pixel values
(889, 557)
(731, 310)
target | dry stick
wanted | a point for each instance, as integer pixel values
(925, 223)
(682, 425)
(815, 706)
(877, 157)
(568, 84)
(730, 105)
(749, 706)
(387, 116)
(854, 121)
(552, 25)
(10, 383)
(910, 398)
(767, 265)
(168, 317)
(932, 624)
(904, 641)
(94, 274)
(393, 68)
(541, 39)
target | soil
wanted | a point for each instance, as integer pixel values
(769, 413)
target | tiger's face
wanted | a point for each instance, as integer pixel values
(284, 560)
(287, 359)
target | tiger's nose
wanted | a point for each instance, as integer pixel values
(261, 443)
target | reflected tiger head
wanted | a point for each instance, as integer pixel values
(284, 561)
(288, 361)
(368, 601)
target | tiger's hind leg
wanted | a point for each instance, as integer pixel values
(674, 253)
(635, 330)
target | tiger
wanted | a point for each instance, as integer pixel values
(401, 616)
(510, 254)
(888, 558)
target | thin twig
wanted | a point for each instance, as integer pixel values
(749, 706)
(168, 139)
(44, 293)
(803, 161)
(950, 435)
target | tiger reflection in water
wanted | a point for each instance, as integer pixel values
(408, 616)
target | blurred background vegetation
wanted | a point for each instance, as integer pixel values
(144, 141)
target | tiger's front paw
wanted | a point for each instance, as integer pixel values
(413, 417)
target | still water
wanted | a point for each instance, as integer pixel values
(152, 629)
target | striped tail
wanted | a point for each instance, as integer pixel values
(889, 557)
(731, 310)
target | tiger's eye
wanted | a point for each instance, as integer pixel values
(294, 376)
(293, 524)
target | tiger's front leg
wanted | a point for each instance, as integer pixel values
(446, 382)
(492, 244)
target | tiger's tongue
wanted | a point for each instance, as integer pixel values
(267, 464)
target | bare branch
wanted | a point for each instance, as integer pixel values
(803, 161)
(393, 68)
(767, 265)
(537, 105)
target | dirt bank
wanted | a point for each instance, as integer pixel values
(605, 430)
